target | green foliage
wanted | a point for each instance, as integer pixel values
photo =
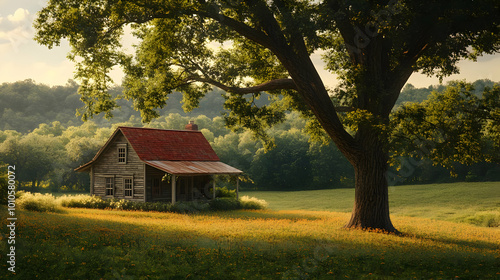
(225, 192)
(298, 162)
(224, 203)
(266, 46)
(38, 202)
(285, 167)
(25, 105)
(84, 201)
(453, 126)
(4, 186)
(252, 203)
(484, 219)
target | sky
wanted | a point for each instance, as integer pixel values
(22, 58)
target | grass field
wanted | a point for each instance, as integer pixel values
(470, 202)
(263, 244)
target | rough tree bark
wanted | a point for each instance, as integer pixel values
(371, 199)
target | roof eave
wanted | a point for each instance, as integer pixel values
(194, 168)
(85, 167)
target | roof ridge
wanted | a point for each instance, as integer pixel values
(150, 128)
(166, 144)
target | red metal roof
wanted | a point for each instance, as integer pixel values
(194, 167)
(169, 145)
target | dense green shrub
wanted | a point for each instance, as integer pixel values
(84, 201)
(48, 203)
(38, 202)
(484, 219)
(252, 203)
(225, 192)
(191, 206)
(224, 204)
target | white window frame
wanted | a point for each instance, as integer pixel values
(131, 186)
(122, 155)
(110, 191)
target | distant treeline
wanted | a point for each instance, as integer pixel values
(24, 105)
(413, 94)
(41, 135)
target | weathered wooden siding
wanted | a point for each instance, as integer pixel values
(107, 165)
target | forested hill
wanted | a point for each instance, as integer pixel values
(413, 94)
(57, 141)
(24, 105)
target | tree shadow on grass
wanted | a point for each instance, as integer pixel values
(263, 214)
(477, 244)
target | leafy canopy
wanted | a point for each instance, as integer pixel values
(246, 47)
(453, 126)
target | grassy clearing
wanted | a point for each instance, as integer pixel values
(77, 243)
(476, 203)
(244, 244)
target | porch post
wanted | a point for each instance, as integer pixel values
(213, 188)
(237, 187)
(145, 185)
(91, 180)
(173, 188)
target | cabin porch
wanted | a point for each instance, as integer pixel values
(165, 186)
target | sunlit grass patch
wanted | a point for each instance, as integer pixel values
(265, 244)
(256, 244)
(475, 202)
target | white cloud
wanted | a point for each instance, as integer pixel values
(16, 37)
(19, 15)
(17, 30)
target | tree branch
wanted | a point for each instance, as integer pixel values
(278, 84)
(241, 28)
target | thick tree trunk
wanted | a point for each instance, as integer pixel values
(371, 203)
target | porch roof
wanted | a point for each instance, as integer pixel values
(192, 168)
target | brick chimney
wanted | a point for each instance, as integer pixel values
(191, 126)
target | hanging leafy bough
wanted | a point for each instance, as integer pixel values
(455, 126)
(267, 46)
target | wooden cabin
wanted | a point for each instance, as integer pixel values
(145, 164)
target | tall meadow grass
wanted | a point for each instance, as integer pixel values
(38, 202)
(246, 244)
(49, 203)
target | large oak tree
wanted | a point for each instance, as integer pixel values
(246, 47)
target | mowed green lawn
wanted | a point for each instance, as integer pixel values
(264, 244)
(475, 203)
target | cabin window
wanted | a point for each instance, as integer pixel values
(128, 183)
(122, 153)
(155, 184)
(110, 186)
